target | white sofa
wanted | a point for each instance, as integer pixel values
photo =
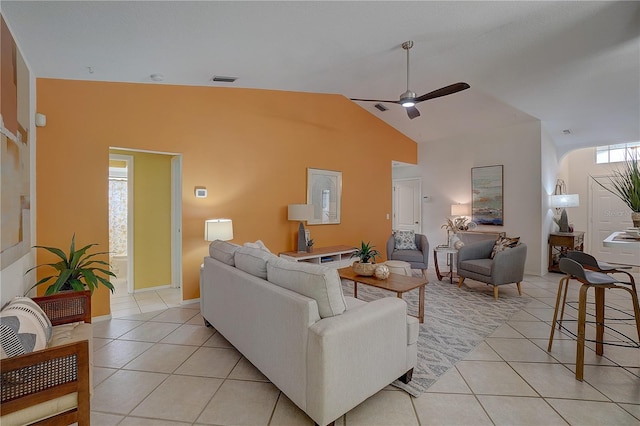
(325, 351)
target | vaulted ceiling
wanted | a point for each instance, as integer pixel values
(573, 65)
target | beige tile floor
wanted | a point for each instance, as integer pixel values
(163, 367)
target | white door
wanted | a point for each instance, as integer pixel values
(608, 214)
(407, 206)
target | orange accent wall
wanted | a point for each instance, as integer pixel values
(250, 148)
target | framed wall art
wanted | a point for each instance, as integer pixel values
(487, 195)
(324, 191)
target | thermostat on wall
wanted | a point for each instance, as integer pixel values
(201, 192)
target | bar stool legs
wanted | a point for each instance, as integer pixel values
(599, 290)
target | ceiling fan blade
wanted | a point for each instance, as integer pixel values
(374, 100)
(413, 112)
(444, 91)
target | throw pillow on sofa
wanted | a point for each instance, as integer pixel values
(24, 328)
(317, 282)
(405, 240)
(258, 244)
(504, 243)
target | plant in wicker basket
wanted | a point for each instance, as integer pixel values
(367, 254)
(77, 270)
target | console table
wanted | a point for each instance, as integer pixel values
(333, 256)
(560, 243)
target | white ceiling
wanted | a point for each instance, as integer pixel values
(572, 65)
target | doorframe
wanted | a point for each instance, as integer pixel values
(128, 159)
(176, 221)
(394, 199)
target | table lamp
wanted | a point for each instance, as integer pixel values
(458, 210)
(218, 229)
(562, 201)
(300, 212)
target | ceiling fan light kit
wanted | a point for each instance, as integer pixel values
(409, 99)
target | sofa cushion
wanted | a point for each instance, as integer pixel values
(253, 261)
(223, 251)
(405, 240)
(479, 266)
(24, 328)
(504, 243)
(317, 282)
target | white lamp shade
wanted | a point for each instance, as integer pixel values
(564, 200)
(300, 212)
(459, 209)
(218, 229)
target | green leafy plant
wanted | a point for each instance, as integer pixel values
(366, 253)
(310, 243)
(76, 271)
(625, 184)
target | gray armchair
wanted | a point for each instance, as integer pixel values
(507, 267)
(419, 259)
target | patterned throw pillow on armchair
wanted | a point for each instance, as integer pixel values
(405, 240)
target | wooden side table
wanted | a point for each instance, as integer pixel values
(450, 252)
(560, 243)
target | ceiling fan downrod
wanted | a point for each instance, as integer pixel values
(407, 99)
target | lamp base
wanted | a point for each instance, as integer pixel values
(302, 240)
(564, 222)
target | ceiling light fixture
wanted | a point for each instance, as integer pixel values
(566, 131)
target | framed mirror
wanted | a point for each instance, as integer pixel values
(324, 191)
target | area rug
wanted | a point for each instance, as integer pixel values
(456, 320)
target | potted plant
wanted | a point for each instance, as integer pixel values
(310, 246)
(76, 271)
(625, 184)
(452, 227)
(367, 264)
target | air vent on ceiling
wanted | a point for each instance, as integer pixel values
(381, 107)
(566, 131)
(223, 79)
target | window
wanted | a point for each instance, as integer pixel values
(617, 153)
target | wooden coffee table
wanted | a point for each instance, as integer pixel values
(396, 282)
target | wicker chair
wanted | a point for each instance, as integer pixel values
(38, 384)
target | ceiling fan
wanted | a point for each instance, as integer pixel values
(409, 99)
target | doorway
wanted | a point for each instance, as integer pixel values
(407, 206)
(608, 214)
(145, 214)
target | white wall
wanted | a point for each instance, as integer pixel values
(446, 178)
(550, 173)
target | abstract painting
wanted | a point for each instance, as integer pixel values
(487, 195)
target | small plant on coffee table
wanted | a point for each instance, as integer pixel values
(367, 253)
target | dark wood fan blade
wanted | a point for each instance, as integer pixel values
(413, 112)
(448, 90)
(374, 100)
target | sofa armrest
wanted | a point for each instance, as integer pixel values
(508, 265)
(353, 355)
(423, 245)
(66, 307)
(391, 246)
(479, 250)
(45, 375)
